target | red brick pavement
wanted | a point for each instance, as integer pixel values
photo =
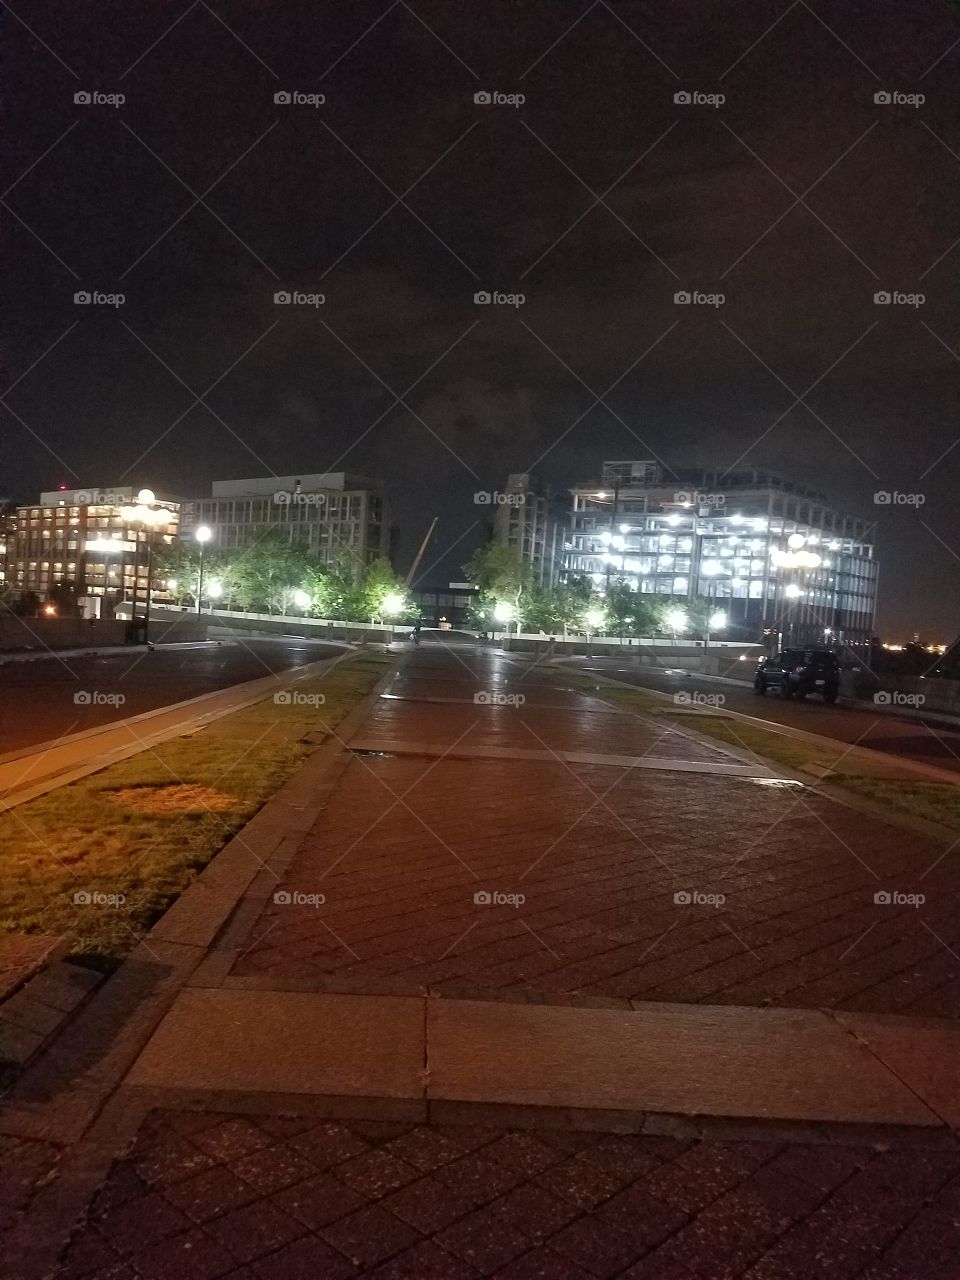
(205, 1196)
(599, 853)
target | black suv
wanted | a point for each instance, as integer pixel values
(796, 672)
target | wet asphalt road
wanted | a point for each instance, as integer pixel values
(39, 698)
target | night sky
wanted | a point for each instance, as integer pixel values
(798, 199)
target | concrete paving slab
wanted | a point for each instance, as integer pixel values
(922, 1052)
(775, 1063)
(287, 1042)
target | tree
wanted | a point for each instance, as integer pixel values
(379, 582)
(502, 577)
(265, 576)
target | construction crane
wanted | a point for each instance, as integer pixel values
(419, 556)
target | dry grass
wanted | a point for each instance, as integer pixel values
(143, 828)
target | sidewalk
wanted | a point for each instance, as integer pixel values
(534, 987)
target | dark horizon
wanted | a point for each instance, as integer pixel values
(799, 198)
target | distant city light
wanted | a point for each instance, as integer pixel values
(796, 540)
(792, 590)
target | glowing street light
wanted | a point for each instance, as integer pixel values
(393, 604)
(302, 599)
(215, 590)
(203, 533)
(594, 619)
(791, 590)
(676, 620)
(145, 515)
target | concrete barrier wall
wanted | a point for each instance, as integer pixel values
(59, 633)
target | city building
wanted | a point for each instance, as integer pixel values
(778, 559)
(330, 513)
(78, 547)
(531, 519)
(446, 607)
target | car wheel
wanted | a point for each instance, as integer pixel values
(759, 687)
(785, 690)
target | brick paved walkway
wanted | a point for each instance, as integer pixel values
(206, 1195)
(220, 1183)
(599, 853)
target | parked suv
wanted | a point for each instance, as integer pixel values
(796, 672)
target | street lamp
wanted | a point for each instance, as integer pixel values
(716, 622)
(676, 620)
(503, 612)
(301, 599)
(393, 604)
(203, 535)
(145, 515)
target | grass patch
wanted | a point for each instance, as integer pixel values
(142, 829)
(935, 801)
